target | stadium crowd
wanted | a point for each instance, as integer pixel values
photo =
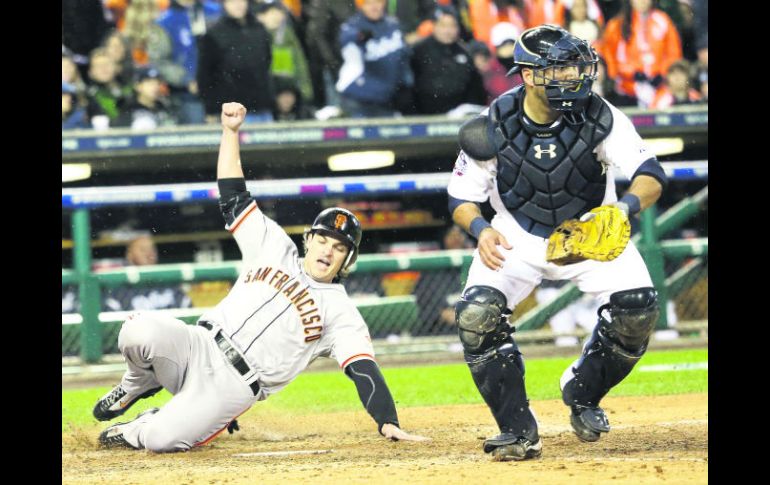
(150, 63)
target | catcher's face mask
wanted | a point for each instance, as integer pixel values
(564, 65)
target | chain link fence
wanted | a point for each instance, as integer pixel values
(404, 303)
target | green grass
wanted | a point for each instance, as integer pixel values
(430, 385)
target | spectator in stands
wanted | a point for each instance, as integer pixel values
(639, 46)
(149, 107)
(486, 14)
(83, 26)
(410, 14)
(686, 30)
(138, 21)
(603, 86)
(581, 312)
(118, 49)
(437, 291)
(580, 21)
(375, 69)
(289, 105)
(235, 58)
(444, 73)
(140, 251)
(677, 88)
(700, 11)
(324, 53)
(289, 59)
(106, 96)
(496, 82)
(173, 49)
(538, 12)
(703, 81)
(73, 113)
(462, 8)
(70, 73)
(503, 37)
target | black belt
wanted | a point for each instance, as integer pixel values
(232, 355)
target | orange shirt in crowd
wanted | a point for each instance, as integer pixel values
(654, 45)
(294, 6)
(538, 12)
(485, 15)
(118, 9)
(665, 99)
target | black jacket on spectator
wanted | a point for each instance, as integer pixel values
(324, 18)
(83, 25)
(234, 64)
(410, 13)
(444, 77)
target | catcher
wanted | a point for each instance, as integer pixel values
(545, 155)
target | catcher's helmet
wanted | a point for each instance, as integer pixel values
(548, 47)
(341, 224)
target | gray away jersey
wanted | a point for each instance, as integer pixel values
(277, 315)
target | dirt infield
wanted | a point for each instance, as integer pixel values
(661, 439)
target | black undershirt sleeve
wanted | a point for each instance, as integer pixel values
(374, 393)
(233, 197)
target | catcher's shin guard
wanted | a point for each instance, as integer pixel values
(495, 361)
(616, 345)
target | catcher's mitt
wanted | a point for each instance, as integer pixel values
(602, 237)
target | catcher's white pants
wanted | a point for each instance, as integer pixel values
(525, 267)
(184, 359)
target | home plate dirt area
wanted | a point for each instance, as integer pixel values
(654, 439)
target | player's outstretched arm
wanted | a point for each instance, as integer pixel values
(229, 161)
(393, 432)
(377, 400)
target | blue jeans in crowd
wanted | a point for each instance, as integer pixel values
(189, 108)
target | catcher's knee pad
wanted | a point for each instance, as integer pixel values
(616, 345)
(633, 314)
(494, 359)
(482, 320)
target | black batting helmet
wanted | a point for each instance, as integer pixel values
(547, 47)
(341, 224)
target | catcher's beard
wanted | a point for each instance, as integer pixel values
(540, 99)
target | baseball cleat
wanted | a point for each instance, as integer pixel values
(589, 423)
(522, 449)
(118, 401)
(507, 446)
(112, 437)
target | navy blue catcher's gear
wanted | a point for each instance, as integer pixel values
(546, 48)
(616, 345)
(495, 363)
(476, 137)
(547, 174)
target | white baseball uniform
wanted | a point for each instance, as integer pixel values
(525, 265)
(276, 317)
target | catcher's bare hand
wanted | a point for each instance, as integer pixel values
(489, 239)
(233, 115)
(393, 432)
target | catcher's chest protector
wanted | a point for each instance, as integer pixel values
(546, 175)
